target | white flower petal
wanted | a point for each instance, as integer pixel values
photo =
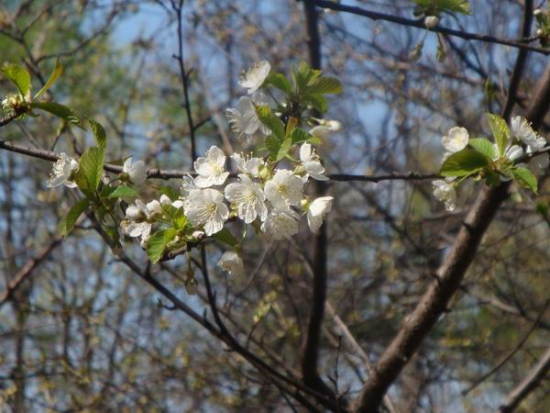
(255, 76)
(456, 140)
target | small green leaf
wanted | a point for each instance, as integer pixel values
(123, 191)
(291, 124)
(179, 219)
(484, 146)
(525, 178)
(90, 170)
(60, 111)
(156, 244)
(435, 7)
(280, 81)
(456, 6)
(326, 85)
(66, 224)
(99, 133)
(226, 237)
(170, 192)
(283, 149)
(300, 136)
(271, 121)
(500, 131)
(272, 144)
(464, 163)
(318, 101)
(57, 70)
(19, 76)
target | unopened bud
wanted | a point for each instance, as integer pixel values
(191, 286)
(431, 21)
(416, 52)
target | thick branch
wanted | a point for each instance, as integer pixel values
(434, 303)
(311, 349)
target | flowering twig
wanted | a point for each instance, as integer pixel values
(166, 174)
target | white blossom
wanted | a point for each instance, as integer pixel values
(326, 128)
(311, 163)
(446, 193)
(254, 77)
(63, 172)
(249, 199)
(514, 152)
(539, 164)
(205, 207)
(187, 185)
(165, 200)
(284, 189)
(281, 224)
(522, 130)
(244, 120)
(248, 165)
(139, 219)
(211, 169)
(456, 140)
(135, 171)
(232, 263)
(317, 212)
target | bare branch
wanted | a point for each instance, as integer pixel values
(520, 44)
(449, 276)
(527, 385)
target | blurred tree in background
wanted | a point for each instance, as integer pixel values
(424, 310)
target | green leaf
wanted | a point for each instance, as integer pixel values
(318, 101)
(435, 7)
(271, 121)
(90, 170)
(99, 133)
(525, 178)
(464, 163)
(19, 76)
(170, 192)
(60, 111)
(484, 146)
(66, 224)
(300, 136)
(56, 72)
(280, 81)
(456, 6)
(226, 237)
(283, 149)
(156, 244)
(179, 219)
(326, 85)
(272, 144)
(123, 191)
(500, 131)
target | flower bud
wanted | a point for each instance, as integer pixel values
(191, 286)
(431, 21)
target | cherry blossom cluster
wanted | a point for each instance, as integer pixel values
(266, 194)
(519, 153)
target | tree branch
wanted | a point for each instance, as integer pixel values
(527, 385)
(419, 23)
(449, 276)
(27, 269)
